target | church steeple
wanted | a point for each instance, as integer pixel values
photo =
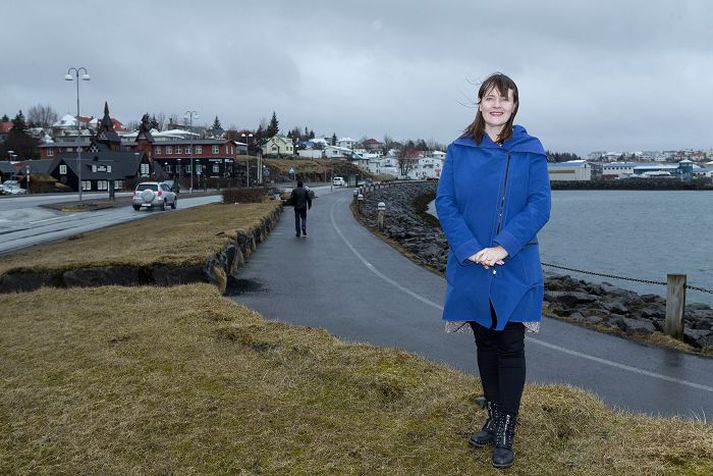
(105, 132)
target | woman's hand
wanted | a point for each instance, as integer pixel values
(488, 257)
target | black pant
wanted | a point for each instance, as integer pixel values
(501, 362)
(301, 214)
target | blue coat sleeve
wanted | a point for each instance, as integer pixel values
(461, 240)
(524, 226)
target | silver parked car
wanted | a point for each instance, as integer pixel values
(154, 194)
(11, 187)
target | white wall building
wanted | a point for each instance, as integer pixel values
(346, 142)
(572, 170)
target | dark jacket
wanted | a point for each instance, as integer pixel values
(478, 182)
(300, 198)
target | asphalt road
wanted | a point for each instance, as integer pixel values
(24, 223)
(345, 280)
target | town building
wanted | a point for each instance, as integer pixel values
(278, 146)
(572, 170)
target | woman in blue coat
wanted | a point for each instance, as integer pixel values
(493, 197)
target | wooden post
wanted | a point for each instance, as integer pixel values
(675, 303)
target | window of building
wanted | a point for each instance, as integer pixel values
(158, 150)
(118, 184)
(102, 185)
(86, 185)
(50, 152)
(169, 150)
(216, 150)
(216, 168)
(179, 150)
(108, 168)
(144, 169)
(63, 169)
(188, 149)
(94, 168)
(199, 149)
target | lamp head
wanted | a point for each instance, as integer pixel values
(85, 77)
(67, 77)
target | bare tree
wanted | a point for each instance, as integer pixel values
(42, 115)
(408, 158)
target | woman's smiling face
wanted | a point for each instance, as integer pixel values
(497, 108)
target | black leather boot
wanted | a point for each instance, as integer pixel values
(486, 435)
(503, 456)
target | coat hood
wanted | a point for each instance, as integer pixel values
(520, 141)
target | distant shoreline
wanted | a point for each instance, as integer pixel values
(633, 184)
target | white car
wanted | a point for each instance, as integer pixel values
(338, 182)
(153, 194)
(11, 187)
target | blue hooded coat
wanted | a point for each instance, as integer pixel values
(493, 194)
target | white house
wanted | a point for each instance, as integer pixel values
(336, 152)
(384, 166)
(346, 142)
(278, 145)
(427, 167)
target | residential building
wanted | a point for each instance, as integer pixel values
(278, 146)
(346, 143)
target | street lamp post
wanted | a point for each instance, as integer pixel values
(27, 174)
(190, 115)
(247, 152)
(85, 77)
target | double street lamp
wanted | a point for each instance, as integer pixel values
(190, 115)
(85, 77)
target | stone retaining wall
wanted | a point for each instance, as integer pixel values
(220, 269)
(595, 305)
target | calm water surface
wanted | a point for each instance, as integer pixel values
(638, 234)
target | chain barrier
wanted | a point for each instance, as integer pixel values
(626, 278)
(603, 275)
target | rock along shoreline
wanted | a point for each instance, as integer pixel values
(602, 306)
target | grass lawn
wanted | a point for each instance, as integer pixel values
(179, 238)
(179, 380)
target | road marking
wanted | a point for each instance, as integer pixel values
(575, 353)
(53, 218)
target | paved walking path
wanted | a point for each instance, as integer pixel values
(345, 280)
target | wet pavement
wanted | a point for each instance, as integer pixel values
(344, 279)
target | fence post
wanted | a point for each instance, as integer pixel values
(675, 303)
(380, 217)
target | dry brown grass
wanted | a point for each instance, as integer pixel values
(179, 238)
(179, 380)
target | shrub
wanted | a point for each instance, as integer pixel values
(244, 195)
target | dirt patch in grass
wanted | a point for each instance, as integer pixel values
(180, 238)
(179, 380)
(89, 205)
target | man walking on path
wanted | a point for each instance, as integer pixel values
(301, 201)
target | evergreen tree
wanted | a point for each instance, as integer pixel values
(19, 141)
(274, 127)
(311, 134)
(306, 132)
(18, 124)
(334, 138)
(216, 124)
(4, 118)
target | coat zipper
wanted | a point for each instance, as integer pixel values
(501, 207)
(502, 197)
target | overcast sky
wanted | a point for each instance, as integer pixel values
(593, 75)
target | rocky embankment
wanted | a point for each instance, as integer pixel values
(594, 305)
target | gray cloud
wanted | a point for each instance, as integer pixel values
(593, 75)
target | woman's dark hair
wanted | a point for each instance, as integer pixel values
(502, 83)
